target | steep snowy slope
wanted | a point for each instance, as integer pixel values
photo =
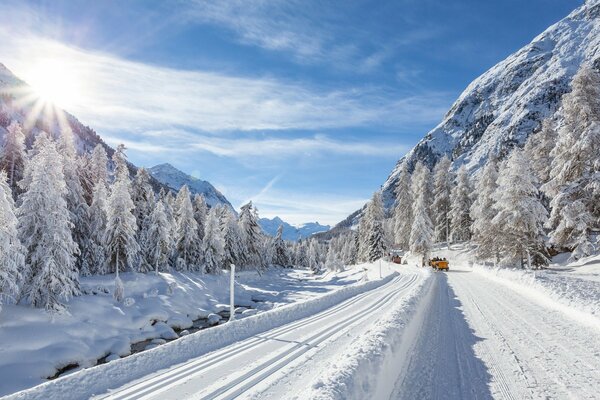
(290, 232)
(501, 108)
(175, 179)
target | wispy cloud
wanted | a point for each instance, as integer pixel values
(125, 95)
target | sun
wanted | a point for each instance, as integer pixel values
(55, 81)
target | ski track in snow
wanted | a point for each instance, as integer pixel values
(267, 359)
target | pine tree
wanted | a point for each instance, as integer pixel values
(232, 238)
(483, 211)
(301, 258)
(538, 148)
(443, 182)
(421, 234)
(252, 235)
(76, 203)
(212, 245)
(279, 249)
(167, 199)
(95, 252)
(200, 213)
(460, 212)
(157, 241)
(521, 215)
(363, 234)
(314, 256)
(403, 216)
(12, 253)
(187, 239)
(142, 195)
(119, 238)
(45, 230)
(376, 245)
(12, 158)
(574, 184)
(99, 165)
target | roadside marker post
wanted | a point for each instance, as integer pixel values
(232, 293)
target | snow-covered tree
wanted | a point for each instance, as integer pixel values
(484, 210)
(187, 239)
(333, 262)
(443, 182)
(167, 199)
(142, 195)
(521, 216)
(12, 157)
(157, 241)
(301, 255)
(94, 254)
(279, 249)
(574, 184)
(460, 211)
(12, 253)
(314, 256)
(349, 249)
(421, 234)
(120, 236)
(252, 235)
(200, 213)
(538, 149)
(76, 203)
(232, 238)
(213, 247)
(45, 230)
(403, 217)
(375, 237)
(99, 165)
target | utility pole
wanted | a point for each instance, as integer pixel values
(232, 293)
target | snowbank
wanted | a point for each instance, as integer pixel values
(97, 380)
(559, 290)
(366, 370)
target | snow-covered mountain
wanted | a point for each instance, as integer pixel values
(502, 107)
(170, 176)
(290, 232)
(13, 108)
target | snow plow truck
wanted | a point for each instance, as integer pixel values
(440, 264)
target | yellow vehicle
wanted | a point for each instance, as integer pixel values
(439, 264)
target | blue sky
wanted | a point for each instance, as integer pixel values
(302, 106)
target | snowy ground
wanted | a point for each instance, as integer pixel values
(470, 333)
(35, 345)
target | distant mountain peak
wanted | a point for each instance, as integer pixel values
(174, 178)
(291, 232)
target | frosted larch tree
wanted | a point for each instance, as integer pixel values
(443, 182)
(421, 234)
(12, 157)
(484, 210)
(403, 217)
(76, 203)
(279, 249)
(95, 252)
(574, 184)
(45, 230)
(232, 238)
(187, 239)
(252, 235)
(158, 242)
(200, 213)
(213, 244)
(376, 245)
(460, 211)
(119, 238)
(521, 215)
(12, 252)
(142, 195)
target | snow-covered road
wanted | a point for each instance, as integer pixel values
(276, 363)
(481, 339)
